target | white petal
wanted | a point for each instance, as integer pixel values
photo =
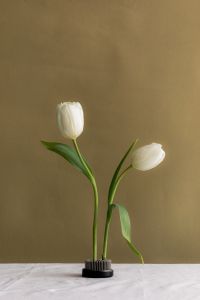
(70, 119)
(148, 157)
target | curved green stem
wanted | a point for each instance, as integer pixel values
(110, 200)
(96, 200)
(109, 212)
(106, 231)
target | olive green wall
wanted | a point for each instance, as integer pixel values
(135, 67)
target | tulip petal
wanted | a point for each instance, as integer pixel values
(148, 157)
(70, 119)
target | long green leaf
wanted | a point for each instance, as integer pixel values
(114, 178)
(69, 154)
(126, 228)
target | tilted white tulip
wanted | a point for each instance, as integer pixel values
(148, 157)
(70, 119)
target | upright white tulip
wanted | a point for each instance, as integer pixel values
(70, 119)
(148, 157)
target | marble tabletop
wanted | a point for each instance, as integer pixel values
(130, 281)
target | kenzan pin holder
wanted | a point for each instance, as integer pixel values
(97, 269)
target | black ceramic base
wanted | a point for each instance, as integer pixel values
(97, 274)
(97, 269)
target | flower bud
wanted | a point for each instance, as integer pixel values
(148, 157)
(70, 119)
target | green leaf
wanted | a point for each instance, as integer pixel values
(126, 228)
(114, 178)
(69, 154)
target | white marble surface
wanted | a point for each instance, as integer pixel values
(130, 281)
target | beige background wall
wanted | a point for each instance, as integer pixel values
(135, 67)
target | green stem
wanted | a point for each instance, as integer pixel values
(96, 201)
(106, 231)
(109, 212)
(110, 200)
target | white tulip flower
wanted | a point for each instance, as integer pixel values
(148, 157)
(70, 119)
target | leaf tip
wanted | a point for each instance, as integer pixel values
(44, 143)
(136, 141)
(142, 259)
